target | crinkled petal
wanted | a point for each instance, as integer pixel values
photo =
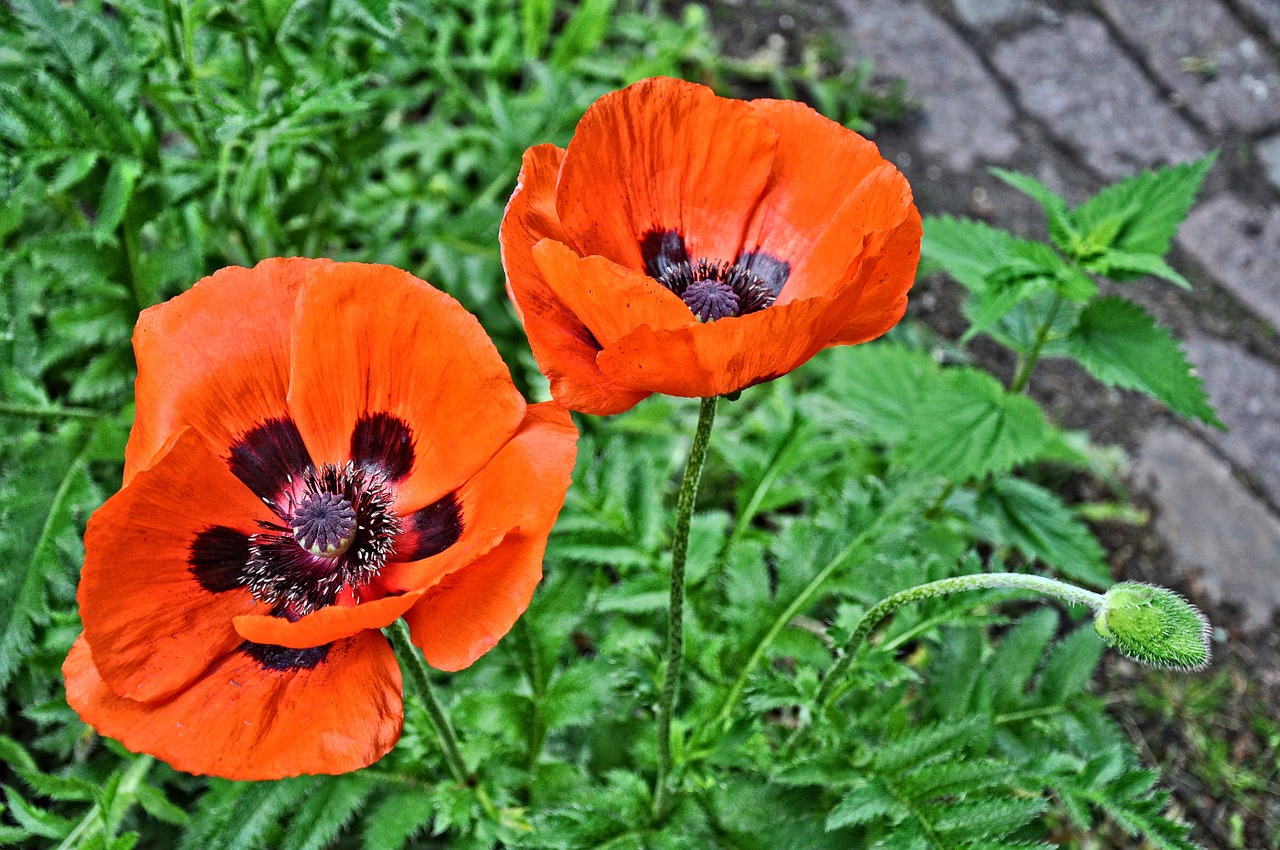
(164, 571)
(258, 712)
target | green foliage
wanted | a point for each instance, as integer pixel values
(145, 144)
(1122, 346)
(1039, 301)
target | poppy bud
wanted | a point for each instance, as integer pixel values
(1155, 626)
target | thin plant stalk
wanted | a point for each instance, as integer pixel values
(675, 622)
(415, 666)
(957, 584)
(1023, 377)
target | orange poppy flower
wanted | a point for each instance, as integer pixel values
(694, 245)
(320, 448)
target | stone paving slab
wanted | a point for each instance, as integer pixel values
(967, 118)
(1080, 83)
(1224, 75)
(1266, 11)
(984, 13)
(1212, 523)
(1245, 391)
(1240, 246)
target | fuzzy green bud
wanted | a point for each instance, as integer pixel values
(1155, 626)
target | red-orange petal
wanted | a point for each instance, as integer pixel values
(375, 340)
(467, 612)
(522, 487)
(886, 277)
(155, 617)
(243, 720)
(727, 355)
(563, 346)
(828, 188)
(325, 625)
(658, 155)
(610, 300)
(215, 358)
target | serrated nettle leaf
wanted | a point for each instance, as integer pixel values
(1122, 265)
(1121, 345)
(967, 250)
(1062, 225)
(881, 384)
(1037, 523)
(966, 426)
(1141, 214)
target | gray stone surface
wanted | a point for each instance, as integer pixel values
(967, 119)
(1266, 11)
(1083, 86)
(983, 13)
(1240, 246)
(1246, 393)
(1214, 526)
(1269, 157)
(1224, 75)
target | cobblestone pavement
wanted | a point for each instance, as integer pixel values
(1081, 94)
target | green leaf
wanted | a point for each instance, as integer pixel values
(1062, 224)
(1039, 525)
(396, 818)
(1122, 265)
(583, 32)
(31, 508)
(1070, 665)
(535, 25)
(326, 810)
(1121, 345)
(967, 426)
(864, 803)
(965, 249)
(116, 193)
(881, 385)
(381, 14)
(1140, 215)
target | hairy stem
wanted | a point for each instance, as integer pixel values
(675, 621)
(415, 666)
(957, 584)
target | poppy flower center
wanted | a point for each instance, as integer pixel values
(340, 532)
(324, 524)
(713, 289)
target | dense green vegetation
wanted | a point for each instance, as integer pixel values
(147, 143)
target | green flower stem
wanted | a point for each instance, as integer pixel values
(412, 662)
(675, 622)
(1042, 336)
(957, 584)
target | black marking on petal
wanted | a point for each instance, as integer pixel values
(767, 268)
(664, 253)
(713, 289)
(284, 659)
(269, 458)
(282, 568)
(218, 558)
(430, 531)
(383, 443)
